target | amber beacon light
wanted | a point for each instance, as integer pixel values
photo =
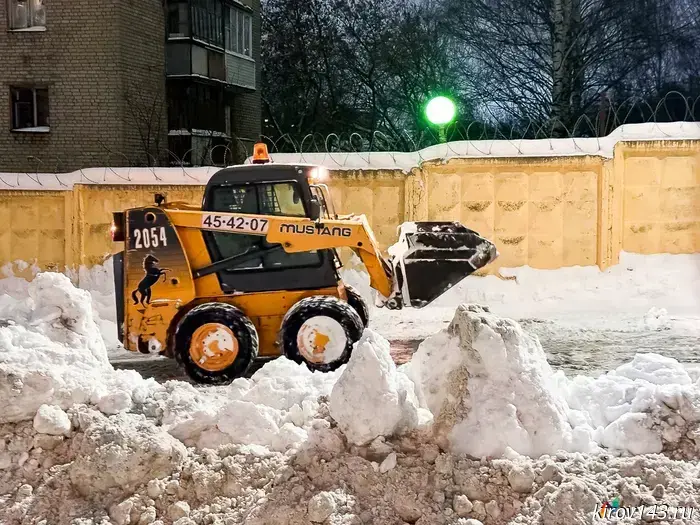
(260, 154)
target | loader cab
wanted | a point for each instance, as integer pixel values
(269, 189)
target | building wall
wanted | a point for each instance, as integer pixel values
(89, 56)
(542, 212)
(144, 121)
(76, 58)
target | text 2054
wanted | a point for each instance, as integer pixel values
(149, 237)
(244, 224)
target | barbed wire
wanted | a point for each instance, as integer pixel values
(402, 148)
(672, 107)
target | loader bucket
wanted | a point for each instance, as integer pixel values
(432, 257)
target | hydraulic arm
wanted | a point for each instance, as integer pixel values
(428, 259)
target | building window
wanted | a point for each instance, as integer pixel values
(25, 14)
(30, 109)
(178, 18)
(239, 32)
(207, 21)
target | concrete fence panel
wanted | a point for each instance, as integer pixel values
(545, 212)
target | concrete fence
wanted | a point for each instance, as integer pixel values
(545, 212)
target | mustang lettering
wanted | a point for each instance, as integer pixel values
(311, 229)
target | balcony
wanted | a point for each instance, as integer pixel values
(185, 58)
(240, 71)
(211, 39)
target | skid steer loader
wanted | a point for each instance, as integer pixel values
(254, 273)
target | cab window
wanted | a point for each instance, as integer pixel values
(281, 199)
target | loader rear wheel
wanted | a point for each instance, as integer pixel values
(320, 332)
(215, 343)
(358, 303)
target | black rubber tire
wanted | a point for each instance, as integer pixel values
(310, 307)
(358, 303)
(236, 321)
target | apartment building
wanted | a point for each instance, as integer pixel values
(134, 82)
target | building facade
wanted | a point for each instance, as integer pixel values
(213, 74)
(134, 82)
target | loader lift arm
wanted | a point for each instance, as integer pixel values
(428, 259)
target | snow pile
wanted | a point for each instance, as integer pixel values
(122, 470)
(649, 405)
(52, 353)
(275, 408)
(490, 389)
(371, 398)
(83, 443)
(98, 281)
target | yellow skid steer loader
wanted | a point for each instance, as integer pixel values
(254, 273)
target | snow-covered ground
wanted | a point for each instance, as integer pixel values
(478, 426)
(642, 292)
(589, 321)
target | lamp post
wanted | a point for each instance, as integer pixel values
(440, 111)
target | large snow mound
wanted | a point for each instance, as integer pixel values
(52, 353)
(83, 443)
(490, 388)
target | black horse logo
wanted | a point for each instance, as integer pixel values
(153, 274)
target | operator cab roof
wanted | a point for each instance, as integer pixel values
(262, 169)
(257, 173)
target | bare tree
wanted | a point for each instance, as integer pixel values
(147, 116)
(556, 58)
(346, 66)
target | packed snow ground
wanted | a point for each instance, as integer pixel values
(650, 302)
(641, 293)
(477, 427)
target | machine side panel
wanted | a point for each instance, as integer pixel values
(158, 279)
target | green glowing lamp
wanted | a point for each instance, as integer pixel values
(440, 111)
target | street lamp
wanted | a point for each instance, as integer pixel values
(440, 111)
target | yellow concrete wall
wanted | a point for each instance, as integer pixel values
(33, 228)
(544, 212)
(380, 195)
(541, 212)
(661, 209)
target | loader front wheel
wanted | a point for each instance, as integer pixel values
(358, 303)
(216, 343)
(320, 332)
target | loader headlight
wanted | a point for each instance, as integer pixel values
(318, 175)
(117, 228)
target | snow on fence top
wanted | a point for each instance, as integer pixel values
(600, 146)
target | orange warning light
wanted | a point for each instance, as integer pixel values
(260, 154)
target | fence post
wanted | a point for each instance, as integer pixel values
(610, 210)
(416, 188)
